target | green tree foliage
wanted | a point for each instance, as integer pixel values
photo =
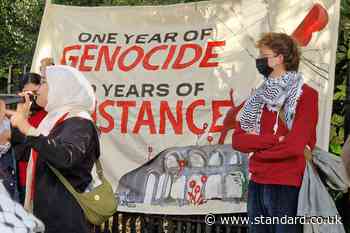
(341, 73)
(20, 23)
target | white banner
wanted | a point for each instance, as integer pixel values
(163, 77)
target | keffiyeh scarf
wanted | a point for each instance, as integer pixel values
(275, 94)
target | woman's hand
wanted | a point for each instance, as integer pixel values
(2, 110)
(253, 133)
(19, 118)
(280, 138)
(5, 137)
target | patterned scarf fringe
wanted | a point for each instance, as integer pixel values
(274, 94)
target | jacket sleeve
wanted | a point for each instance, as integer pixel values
(69, 144)
(303, 129)
(247, 143)
(17, 137)
(19, 144)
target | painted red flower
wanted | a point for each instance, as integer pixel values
(197, 189)
(204, 179)
(182, 163)
(192, 183)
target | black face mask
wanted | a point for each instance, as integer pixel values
(263, 66)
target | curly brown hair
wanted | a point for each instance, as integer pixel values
(281, 43)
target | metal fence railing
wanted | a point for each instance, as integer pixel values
(149, 223)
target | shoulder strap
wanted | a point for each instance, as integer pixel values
(99, 169)
(63, 180)
(66, 183)
(60, 121)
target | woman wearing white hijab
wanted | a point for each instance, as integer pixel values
(67, 140)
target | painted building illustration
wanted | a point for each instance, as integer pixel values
(187, 175)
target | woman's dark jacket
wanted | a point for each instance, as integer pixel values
(22, 151)
(71, 147)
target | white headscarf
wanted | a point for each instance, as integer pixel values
(68, 89)
(68, 92)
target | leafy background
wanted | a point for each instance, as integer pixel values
(342, 73)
